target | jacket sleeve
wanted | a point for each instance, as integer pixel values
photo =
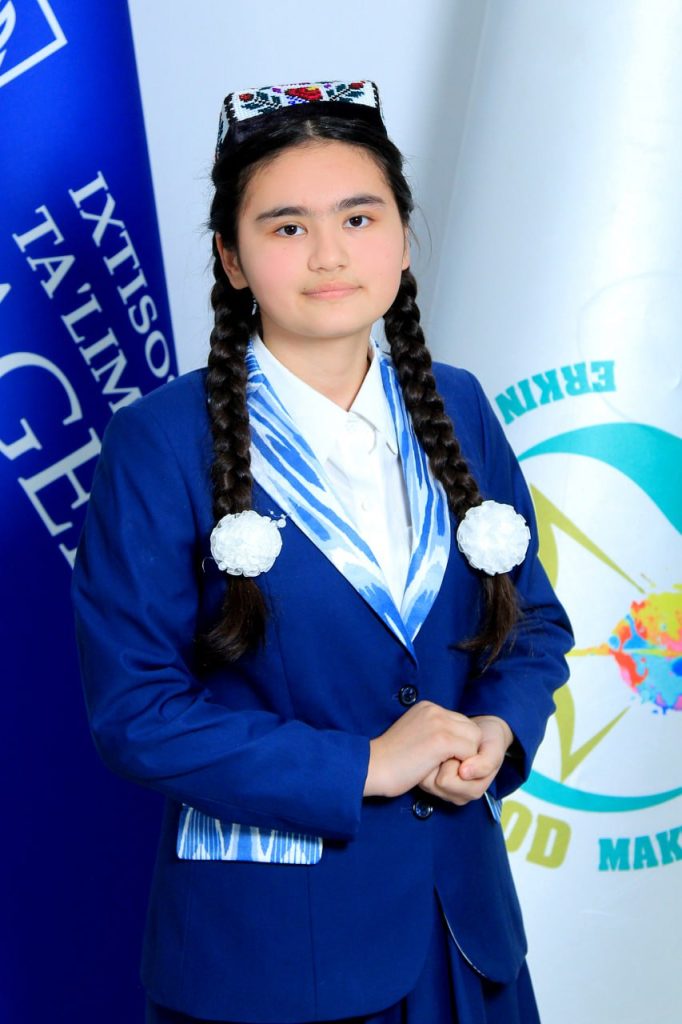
(519, 684)
(136, 600)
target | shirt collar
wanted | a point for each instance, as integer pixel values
(371, 402)
(317, 418)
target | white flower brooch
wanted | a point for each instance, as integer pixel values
(493, 537)
(246, 543)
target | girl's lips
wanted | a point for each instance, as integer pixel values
(333, 291)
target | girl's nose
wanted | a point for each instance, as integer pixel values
(328, 248)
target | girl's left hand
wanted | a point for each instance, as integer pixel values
(458, 782)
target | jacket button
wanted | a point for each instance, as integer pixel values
(422, 809)
(407, 695)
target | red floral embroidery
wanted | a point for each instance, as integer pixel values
(356, 85)
(305, 92)
(245, 95)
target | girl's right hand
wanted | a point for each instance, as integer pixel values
(417, 743)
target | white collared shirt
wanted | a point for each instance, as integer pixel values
(358, 449)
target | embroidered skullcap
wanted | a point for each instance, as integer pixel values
(251, 111)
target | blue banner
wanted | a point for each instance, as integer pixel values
(84, 330)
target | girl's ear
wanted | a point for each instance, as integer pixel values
(228, 258)
(406, 251)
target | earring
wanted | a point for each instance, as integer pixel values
(254, 306)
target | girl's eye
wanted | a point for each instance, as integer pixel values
(358, 220)
(289, 230)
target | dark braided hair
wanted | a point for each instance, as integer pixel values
(242, 623)
(434, 429)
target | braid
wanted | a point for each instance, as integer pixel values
(435, 431)
(242, 624)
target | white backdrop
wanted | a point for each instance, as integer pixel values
(543, 140)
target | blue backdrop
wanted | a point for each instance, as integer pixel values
(84, 330)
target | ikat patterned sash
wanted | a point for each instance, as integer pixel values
(284, 465)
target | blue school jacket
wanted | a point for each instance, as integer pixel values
(280, 739)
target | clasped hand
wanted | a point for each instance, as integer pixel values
(445, 753)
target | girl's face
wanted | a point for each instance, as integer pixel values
(320, 244)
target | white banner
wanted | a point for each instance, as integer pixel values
(561, 288)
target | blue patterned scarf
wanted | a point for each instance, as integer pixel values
(284, 465)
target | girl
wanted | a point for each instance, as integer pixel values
(297, 618)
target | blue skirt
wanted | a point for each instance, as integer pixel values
(448, 991)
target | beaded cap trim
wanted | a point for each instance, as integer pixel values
(249, 103)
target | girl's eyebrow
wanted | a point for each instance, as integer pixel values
(365, 199)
